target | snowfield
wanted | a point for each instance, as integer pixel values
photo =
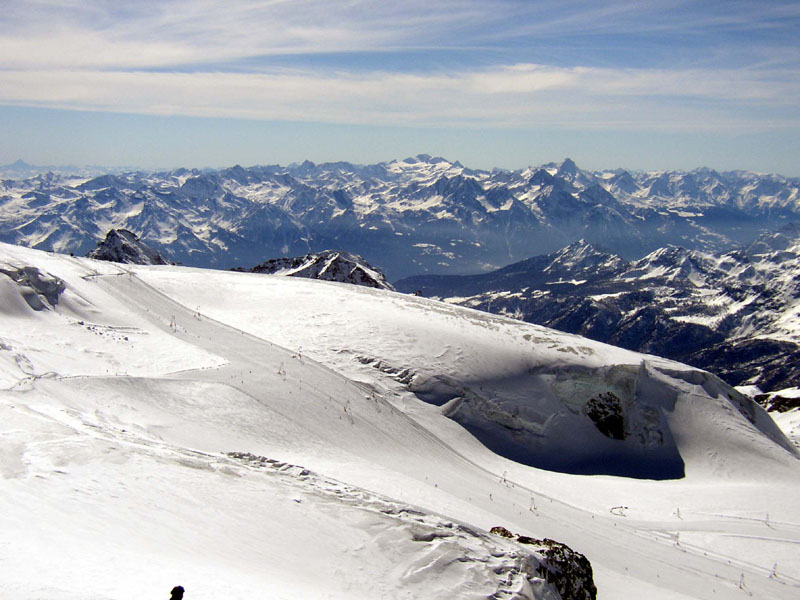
(257, 436)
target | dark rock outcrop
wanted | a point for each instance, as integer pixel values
(329, 265)
(605, 411)
(778, 402)
(123, 246)
(569, 571)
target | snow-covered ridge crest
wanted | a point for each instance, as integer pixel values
(734, 313)
(329, 265)
(420, 215)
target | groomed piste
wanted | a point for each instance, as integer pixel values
(258, 436)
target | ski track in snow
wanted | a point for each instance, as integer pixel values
(730, 571)
(667, 559)
(472, 562)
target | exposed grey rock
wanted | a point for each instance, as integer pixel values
(123, 246)
(40, 290)
(570, 571)
(605, 410)
(777, 402)
(329, 265)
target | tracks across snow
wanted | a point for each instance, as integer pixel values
(474, 563)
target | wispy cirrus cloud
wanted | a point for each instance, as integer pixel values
(518, 95)
(48, 33)
(653, 65)
(90, 33)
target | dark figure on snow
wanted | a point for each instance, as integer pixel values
(176, 593)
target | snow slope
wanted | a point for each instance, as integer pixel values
(735, 314)
(131, 398)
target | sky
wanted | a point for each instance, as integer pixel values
(647, 85)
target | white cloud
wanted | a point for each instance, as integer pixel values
(47, 34)
(170, 33)
(510, 96)
(123, 57)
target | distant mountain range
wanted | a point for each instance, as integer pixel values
(679, 273)
(419, 215)
(736, 314)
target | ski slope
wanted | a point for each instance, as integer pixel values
(248, 436)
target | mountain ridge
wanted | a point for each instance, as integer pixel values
(418, 215)
(123, 246)
(735, 314)
(328, 265)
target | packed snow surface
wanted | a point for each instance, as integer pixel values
(254, 436)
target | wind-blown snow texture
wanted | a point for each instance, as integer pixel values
(411, 216)
(294, 438)
(736, 314)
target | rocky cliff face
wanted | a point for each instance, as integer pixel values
(123, 246)
(570, 571)
(329, 265)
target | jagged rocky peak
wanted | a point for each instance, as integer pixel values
(624, 181)
(329, 265)
(583, 256)
(670, 256)
(238, 173)
(541, 177)
(567, 169)
(123, 246)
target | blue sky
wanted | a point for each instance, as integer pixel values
(642, 85)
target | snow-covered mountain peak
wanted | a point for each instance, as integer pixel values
(329, 265)
(422, 214)
(583, 259)
(424, 168)
(104, 182)
(669, 256)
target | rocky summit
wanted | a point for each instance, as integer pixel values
(329, 265)
(123, 246)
